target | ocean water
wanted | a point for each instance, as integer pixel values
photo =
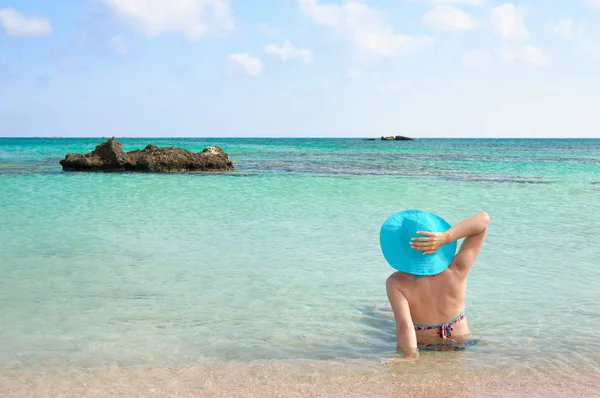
(279, 261)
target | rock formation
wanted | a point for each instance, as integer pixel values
(109, 156)
(396, 138)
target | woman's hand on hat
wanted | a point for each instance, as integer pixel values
(430, 242)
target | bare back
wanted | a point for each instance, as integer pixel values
(436, 299)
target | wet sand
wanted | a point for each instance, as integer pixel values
(305, 379)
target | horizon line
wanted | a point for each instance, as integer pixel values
(299, 137)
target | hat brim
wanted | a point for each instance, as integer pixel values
(395, 237)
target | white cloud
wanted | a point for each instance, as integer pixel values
(509, 55)
(287, 52)
(567, 29)
(535, 56)
(119, 45)
(508, 22)
(529, 55)
(354, 74)
(477, 59)
(467, 2)
(595, 3)
(366, 27)
(192, 18)
(447, 17)
(246, 63)
(17, 24)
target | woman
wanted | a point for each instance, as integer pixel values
(428, 292)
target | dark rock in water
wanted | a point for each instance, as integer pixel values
(396, 138)
(109, 156)
(368, 139)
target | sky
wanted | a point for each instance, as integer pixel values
(300, 68)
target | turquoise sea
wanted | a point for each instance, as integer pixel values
(279, 262)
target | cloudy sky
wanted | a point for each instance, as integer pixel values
(342, 68)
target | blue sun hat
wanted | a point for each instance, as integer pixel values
(395, 237)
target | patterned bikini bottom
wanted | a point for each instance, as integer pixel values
(445, 333)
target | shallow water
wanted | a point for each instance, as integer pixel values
(280, 259)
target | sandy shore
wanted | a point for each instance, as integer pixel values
(307, 379)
